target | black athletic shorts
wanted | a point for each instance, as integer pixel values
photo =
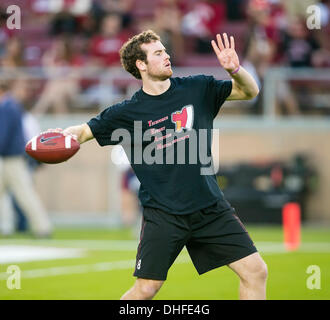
(212, 237)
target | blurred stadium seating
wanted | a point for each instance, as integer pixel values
(293, 104)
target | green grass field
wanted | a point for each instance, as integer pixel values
(104, 271)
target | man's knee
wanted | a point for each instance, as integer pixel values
(148, 288)
(257, 271)
(251, 269)
(261, 270)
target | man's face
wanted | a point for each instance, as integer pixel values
(158, 65)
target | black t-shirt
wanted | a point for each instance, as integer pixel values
(163, 139)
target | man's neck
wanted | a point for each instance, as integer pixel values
(155, 88)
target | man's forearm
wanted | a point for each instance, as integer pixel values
(82, 132)
(245, 83)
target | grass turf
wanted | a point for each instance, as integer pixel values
(287, 270)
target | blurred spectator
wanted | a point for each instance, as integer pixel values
(275, 39)
(121, 7)
(297, 8)
(168, 18)
(14, 54)
(62, 16)
(5, 33)
(104, 48)
(323, 34)
(14, 174)
(325, 12)
(63, 84)
(45, 6)
(76, 7)
(167, 23)
(300, 48)
(90, 23)
(22, 90)
(104, 52)
(203, 22)
(130, 205)
(262, 37)
(299, 44)
(260, 42)
(63, 22)
(236, 9)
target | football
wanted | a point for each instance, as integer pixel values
(52, 147)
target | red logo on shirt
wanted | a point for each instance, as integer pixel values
(183, 119)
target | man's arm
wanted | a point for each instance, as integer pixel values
(82, 132)
(244, 86)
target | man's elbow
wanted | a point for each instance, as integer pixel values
(252, 93)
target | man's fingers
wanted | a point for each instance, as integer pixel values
(74, 136)
(215, 47)
(64, 132)
(232, 42)
(220, 44)
(225, 39)
(55, 130)
(68, 133)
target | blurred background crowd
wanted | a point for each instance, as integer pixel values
(64, 61)
(57, 34)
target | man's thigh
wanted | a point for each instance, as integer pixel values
(219, 238)
(162, 238)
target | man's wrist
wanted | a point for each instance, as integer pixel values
(234, 71)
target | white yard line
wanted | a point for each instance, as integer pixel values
(111, 245)
(131, 245)
(127, 245)
(305, 247)
(14, 253)
(83, 268)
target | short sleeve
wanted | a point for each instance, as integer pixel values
(217, 92)
(104, 125)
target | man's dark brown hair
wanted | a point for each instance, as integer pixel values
(131, 51)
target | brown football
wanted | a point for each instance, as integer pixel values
(52, 147)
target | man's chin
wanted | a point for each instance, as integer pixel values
(162, 76)
(166, 75)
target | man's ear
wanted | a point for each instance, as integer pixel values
(141, 65)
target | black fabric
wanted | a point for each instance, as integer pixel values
(213, 238)
(179, 187)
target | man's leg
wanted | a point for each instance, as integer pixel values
(6, 212)
(21, 185)
(7, 217)
(252, 271)
(143, 289)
